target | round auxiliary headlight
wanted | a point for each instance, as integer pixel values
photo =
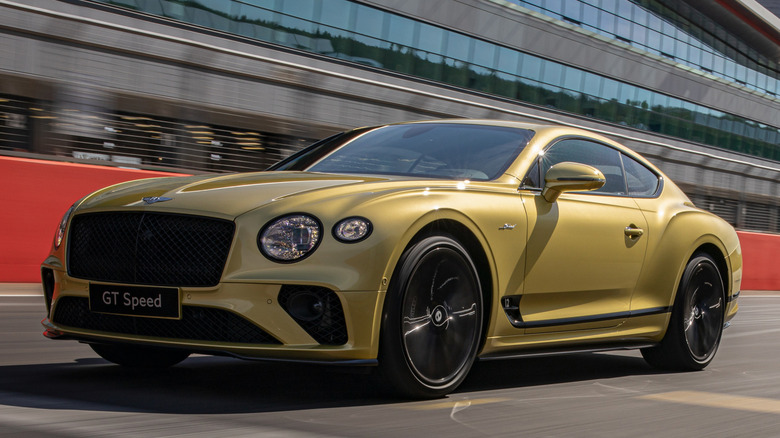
(352, 229)
(289, 238)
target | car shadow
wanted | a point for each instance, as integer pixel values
(216, 385)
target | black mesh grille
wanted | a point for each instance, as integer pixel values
(197, 323)
(149, 248)
(325, 322)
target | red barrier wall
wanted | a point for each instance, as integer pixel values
(761, 261)
(34, 195)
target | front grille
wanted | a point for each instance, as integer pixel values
(197, 323)
(149, 248)
(318, 311)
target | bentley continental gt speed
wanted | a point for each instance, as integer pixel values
(416, 248)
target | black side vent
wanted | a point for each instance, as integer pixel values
(318, 311)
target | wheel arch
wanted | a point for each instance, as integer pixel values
(719, 258)
(479, 256)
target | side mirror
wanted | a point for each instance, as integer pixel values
(569, 176)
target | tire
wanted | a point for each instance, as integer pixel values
(134, 356)
(696, 324)
(432, 320)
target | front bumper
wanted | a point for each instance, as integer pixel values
(244, 320)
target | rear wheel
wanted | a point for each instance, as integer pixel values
(135, 356)
(432, 321)
(696, 324)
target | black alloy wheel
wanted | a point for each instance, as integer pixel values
(432, 323)
(696, 325)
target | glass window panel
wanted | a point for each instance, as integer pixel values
(729, 68)
(639, 35)
(625, 9)
(642, 98)
(602, 157)
(572, 79)
(751, 77)
(552, 72)
(299, 8)
(217, 5)
(706, 62)
(641, 181)
(640, 17)
(610, 89)
(295, 24)
(741, 73)
(254, 13)
(402, 30)
(554, 5)
(592, 84)
(610, 5)
(369, 21)
(532, 180)
(590, 16)
(508, 60)
(660, 102)
(573, 10)
(336, 13)
(608, 24)
(505, 85)
(718, 64)
(771, 85)
(653, 39)
(626, 93)
(680, 51)
(484, 54)
(530, 67)
(623, 28)
(761, 81)
(654, 22)
(458, 46)
(667, 44)
(430, 38)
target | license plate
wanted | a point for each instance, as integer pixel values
(161, 302)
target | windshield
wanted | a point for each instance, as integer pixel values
(434, 150)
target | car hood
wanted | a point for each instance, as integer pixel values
(226, 195)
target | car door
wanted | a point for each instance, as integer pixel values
(585, 250)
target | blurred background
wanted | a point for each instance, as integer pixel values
(94, 92)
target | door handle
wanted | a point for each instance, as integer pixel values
(633, 232)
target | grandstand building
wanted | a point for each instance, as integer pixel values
(232, 85)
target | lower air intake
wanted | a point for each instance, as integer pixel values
(197, 324)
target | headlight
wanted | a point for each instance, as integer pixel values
(352, 229)
(289, 238)
(63, 225)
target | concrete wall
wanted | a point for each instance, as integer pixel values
(35, 195)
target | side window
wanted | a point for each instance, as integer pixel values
(641, 181)
(532, 179)
(602, 157)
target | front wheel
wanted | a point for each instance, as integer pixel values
(432, 320)
(696, 324)
(135, 356)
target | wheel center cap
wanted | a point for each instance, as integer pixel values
(439, 316)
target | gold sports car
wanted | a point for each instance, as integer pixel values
(416, 248)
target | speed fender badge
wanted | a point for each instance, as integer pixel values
(153, 199)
